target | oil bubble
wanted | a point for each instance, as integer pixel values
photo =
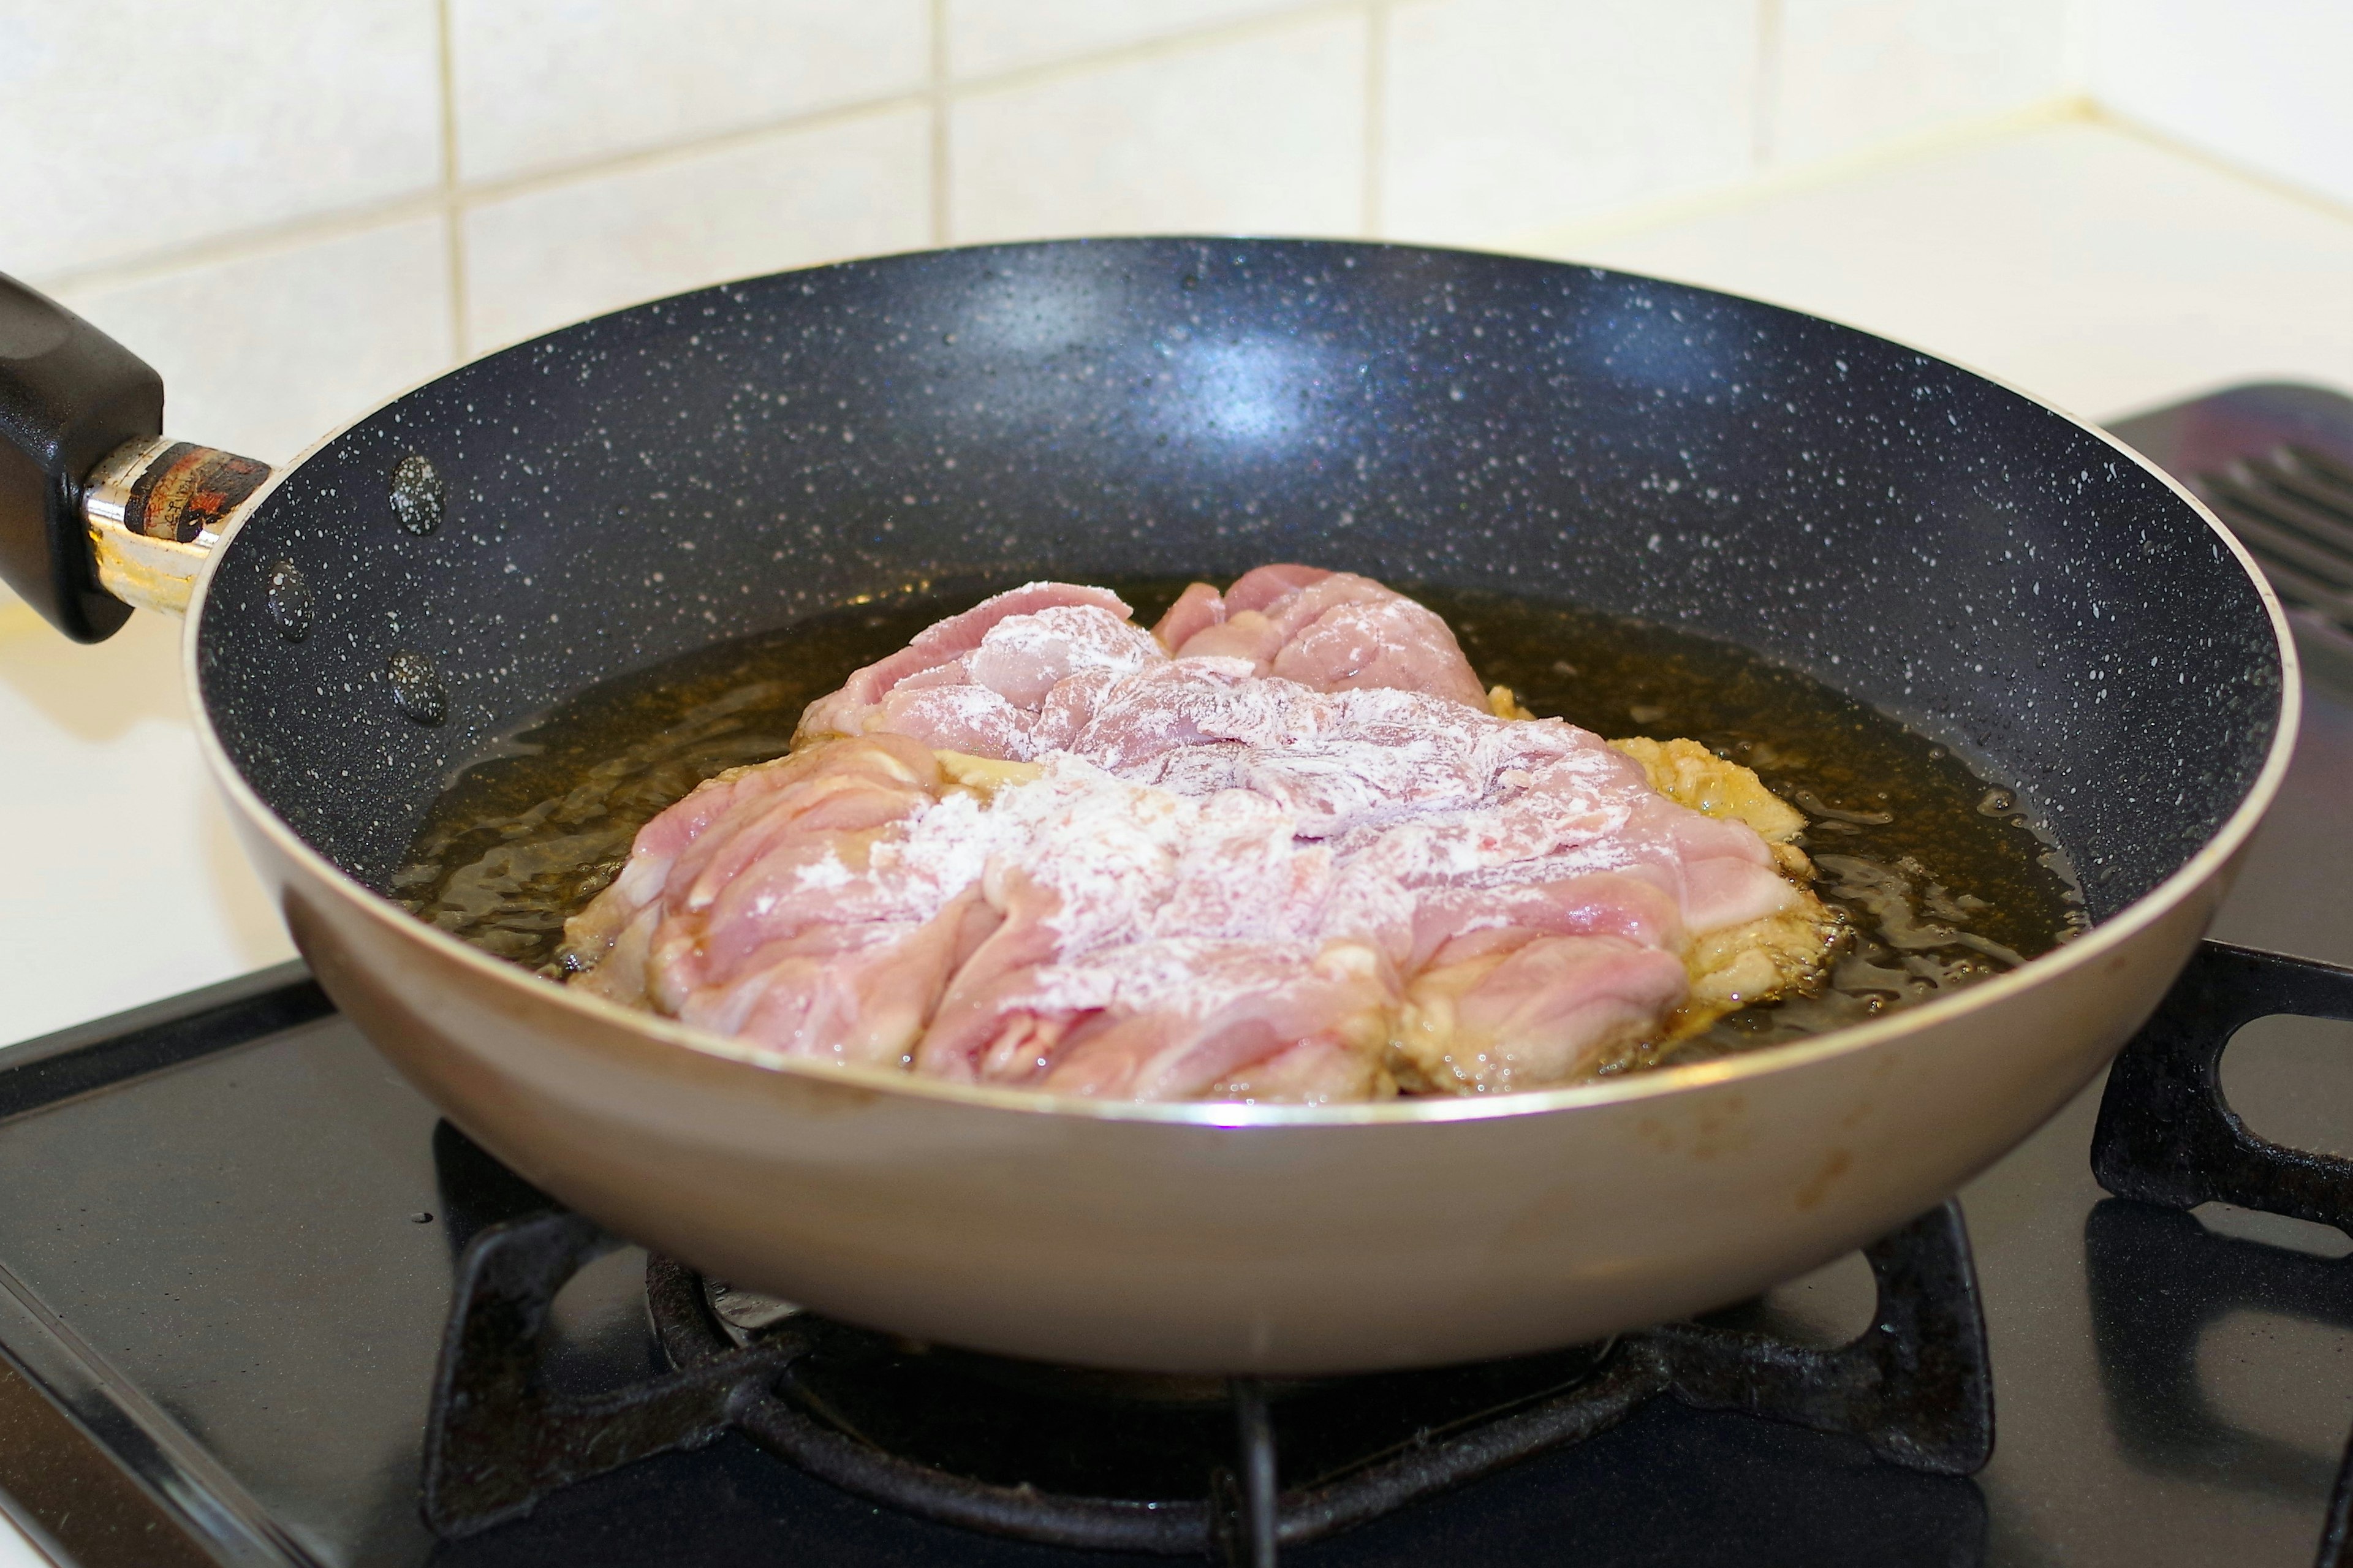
(417, 688)
(287, 598)
(417, 495)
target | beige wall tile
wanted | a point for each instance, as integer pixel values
(986, 36)
(2080, 262)
(2264, 83)
(548, 256)
(129, 885)
(1503, 114)
(126, 131)
(267, 352)
(544, 83)
(1263, 135)
(1851, 72)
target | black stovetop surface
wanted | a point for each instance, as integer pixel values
(233, 1272)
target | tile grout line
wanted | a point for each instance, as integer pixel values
(454, 195)
(1376, 66)
(939, 97)
(452, 215)
(451, 197)
(1934, 141)
(1768, 104)
(261, 240)
(423, 203)
(2166, 141)
(1237, 31)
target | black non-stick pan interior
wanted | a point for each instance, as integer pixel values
(731, 460)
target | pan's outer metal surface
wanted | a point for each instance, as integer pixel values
(1223, 1239)
(1292, 1240)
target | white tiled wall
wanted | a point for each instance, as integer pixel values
(297, 209)
(550, 254)
(984, 38)
(2266, 84)
(132, 130)
(1496, 109)
(1256, 133)
(542, 84)
(1852, 72)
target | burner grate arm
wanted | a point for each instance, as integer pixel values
(497, 1440)
(1917, 1385)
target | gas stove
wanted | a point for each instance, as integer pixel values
(259, 1305)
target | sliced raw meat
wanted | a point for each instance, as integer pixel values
(1196, 609)
(1329, 631)
(1183, 1014)
(1543, 1013)
(1319, 1071)
(1025, 657)
(1035, 849)
(1260, 588)
(751, 909)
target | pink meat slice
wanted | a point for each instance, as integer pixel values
(730, 803)
(1247, 635)
(1329, 631)
(1196, 609)
(1227, 1006)
(1727, 877)
(1637, 905)
(854, 992)
(988, 1018)
(1260, 588)
(1318, 1071)
(1347, 632)
(948, 645)
(1553, 1006)
(748, 908)
(1029, 678)
(954, 717)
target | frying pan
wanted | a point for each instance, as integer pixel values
(2000, 574)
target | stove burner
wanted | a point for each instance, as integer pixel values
(1083, 1458)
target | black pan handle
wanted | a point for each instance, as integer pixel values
(2165, 1133)
(98, 513)
(70, 395)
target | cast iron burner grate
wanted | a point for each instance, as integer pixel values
(1234, 1468)
(2167, 1134)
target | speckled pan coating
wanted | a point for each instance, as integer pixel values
(732, 460)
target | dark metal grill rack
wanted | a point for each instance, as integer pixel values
(1916, 1387)
(2167, 1134)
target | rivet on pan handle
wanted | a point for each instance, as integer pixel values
(98, 512)
(155, 507)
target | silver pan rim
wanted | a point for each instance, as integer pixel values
(2209, 861)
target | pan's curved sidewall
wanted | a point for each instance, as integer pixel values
(1288, 1248)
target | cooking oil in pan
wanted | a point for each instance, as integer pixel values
(1941, 880)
